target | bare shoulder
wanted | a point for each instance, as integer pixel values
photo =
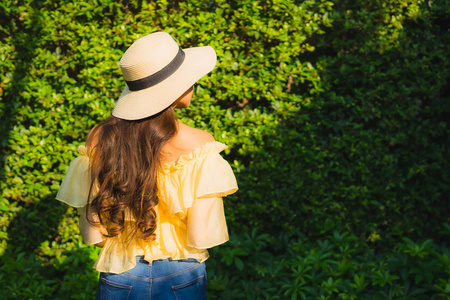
(190, 138)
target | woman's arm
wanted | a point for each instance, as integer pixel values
(91, 234)
(206, 224)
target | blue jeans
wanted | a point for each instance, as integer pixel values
(162, 279)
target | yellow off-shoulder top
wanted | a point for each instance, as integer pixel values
(190, 211)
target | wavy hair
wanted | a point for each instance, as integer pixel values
(124, 160)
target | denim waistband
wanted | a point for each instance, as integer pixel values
(140, 258)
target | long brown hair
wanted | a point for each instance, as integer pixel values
(124, 160)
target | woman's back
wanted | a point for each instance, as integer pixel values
(186, 140)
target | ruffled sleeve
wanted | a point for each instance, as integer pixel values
(214, 178)
(74, 189)
(201, 174)
(194, 193)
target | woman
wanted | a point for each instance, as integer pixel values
(148, 188)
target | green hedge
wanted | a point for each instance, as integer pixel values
(336, 116)
(368, 153)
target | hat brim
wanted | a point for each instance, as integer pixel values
(135, 105)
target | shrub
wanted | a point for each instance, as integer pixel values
(339, 267)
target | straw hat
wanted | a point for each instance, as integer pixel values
(158, 72)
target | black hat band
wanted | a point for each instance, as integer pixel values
(161, 75)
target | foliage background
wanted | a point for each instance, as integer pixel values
(336, 116)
